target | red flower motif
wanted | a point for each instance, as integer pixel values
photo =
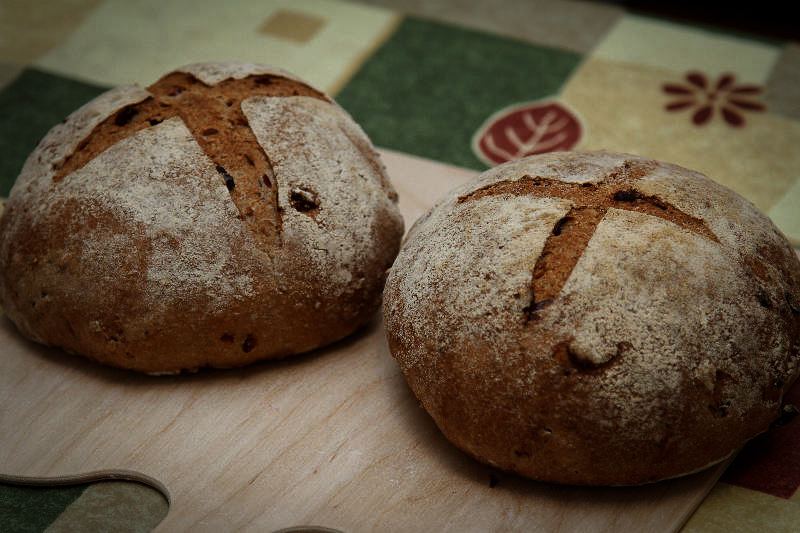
(724, 95)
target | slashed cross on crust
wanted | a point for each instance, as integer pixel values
(570, 235)
(213, 114)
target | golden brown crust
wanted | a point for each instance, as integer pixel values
(596, 318)
(180, 227)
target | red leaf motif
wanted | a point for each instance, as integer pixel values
(747, 104)
(698, 79)
(674, 88)
(732, 117)
(703, 115)
(526, 129)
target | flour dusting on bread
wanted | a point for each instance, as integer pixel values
(596, 318)
(227, 213)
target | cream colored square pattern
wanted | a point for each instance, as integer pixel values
(732, 509)
(29, 29)
(652, 42)
(125, 42)
(786, 215)
(623, 109)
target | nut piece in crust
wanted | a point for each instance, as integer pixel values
(596, 318)
(227, 213)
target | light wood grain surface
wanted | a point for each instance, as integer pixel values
(333, 438)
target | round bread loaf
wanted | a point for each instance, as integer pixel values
(596, 318)
(227, 213)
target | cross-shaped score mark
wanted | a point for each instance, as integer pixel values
(570, 235)
(213, 114)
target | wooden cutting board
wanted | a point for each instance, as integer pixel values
(333, 438)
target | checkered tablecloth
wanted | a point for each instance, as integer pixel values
(469, 83)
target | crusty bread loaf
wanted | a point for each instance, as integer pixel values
(596, 318)
(227, 213)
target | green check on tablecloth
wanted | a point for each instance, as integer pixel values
(467, 83)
